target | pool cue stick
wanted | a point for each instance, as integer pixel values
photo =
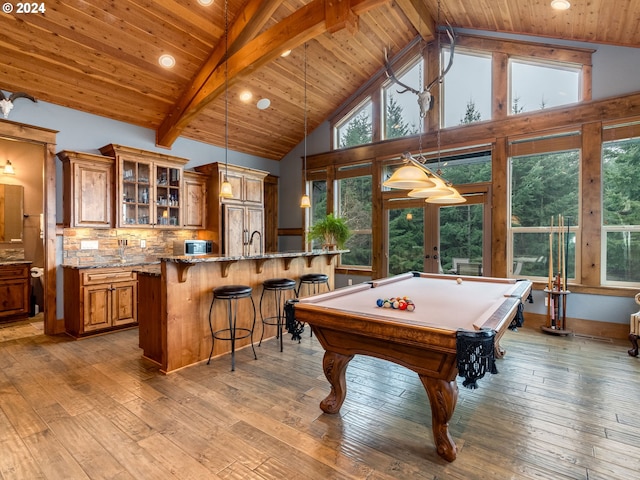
(550, 285)
(566, 253)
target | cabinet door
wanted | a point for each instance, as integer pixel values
(235, 231)
(124, 302)
(195, 213)
(253, 190)
(255, 223)
(14, 297)
(168, 198)
(136, 194)
(97, 307)
(92, 186)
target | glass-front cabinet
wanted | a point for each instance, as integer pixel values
(149, 190)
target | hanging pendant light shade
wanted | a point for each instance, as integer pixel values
(225, 189)
(454, 197)
(8, 169)
(305, 201)
(409, 176)
(429, 192)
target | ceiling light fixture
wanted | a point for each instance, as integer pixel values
(263, 103)
(205, 3)
(167, 61)
(8, 169)
(286, 53)
(560, 4)
(305, 201)
(246, 96)
(225, 188)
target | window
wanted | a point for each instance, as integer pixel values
(402, 112)
(356, 129)
(467, 88)
(355, 203)
(544, 186)
(537, 85)
(318, 198)
(465, 168)
(621, 211)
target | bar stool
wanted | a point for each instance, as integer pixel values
(278, 286)
(314, 280)
(232, 293)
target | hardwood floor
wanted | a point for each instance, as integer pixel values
(560, 408)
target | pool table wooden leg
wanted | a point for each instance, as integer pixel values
(443, 396)
(335, 366)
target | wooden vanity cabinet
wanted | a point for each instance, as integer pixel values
(87, 190)
(14, 291)
(99, 299)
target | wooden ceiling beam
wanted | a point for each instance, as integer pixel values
(254, 15)
(299, 27)
(419, 16)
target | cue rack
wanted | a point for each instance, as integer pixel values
(556, 288)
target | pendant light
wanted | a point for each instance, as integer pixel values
(305, 201)
(225, 188)
(415, 176)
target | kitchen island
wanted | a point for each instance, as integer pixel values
(174, 300)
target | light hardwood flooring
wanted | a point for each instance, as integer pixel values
(560, 408)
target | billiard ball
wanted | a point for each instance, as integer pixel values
(380, 302)
(459, 280)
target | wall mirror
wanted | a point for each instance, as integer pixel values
(11, 213)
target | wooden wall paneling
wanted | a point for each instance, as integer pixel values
(499, 208)
(271, 213)
(378, 223)
(500, 85)
(591, 195)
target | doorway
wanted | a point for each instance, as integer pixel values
(40, 199)
(449, 239)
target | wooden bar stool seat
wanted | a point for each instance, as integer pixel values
(231, 332)
(313, 281)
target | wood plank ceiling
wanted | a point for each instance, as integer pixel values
(102, 57)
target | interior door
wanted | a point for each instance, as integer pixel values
(459, 242)
(450, 239)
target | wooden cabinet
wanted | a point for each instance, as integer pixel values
(14, 291)
(149, 188)
(239, 223)
(99, 299)
(87, 189)
(195, 195)
(231, 221)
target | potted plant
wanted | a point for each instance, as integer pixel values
(331, 231)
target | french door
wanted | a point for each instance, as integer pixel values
(450, 239)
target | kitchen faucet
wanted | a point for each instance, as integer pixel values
(251, 239)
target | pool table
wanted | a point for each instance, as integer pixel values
(347, 322)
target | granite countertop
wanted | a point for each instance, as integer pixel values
(112, 265)
(264, 256)
(15, 262)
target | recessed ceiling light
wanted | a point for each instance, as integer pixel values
(560, 4)
(205, 3)
(167, 61)
(286, 53)
(263, 103)
(246, 96)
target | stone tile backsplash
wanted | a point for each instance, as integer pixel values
(118, 245)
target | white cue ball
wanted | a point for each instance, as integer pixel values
(458, 280)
